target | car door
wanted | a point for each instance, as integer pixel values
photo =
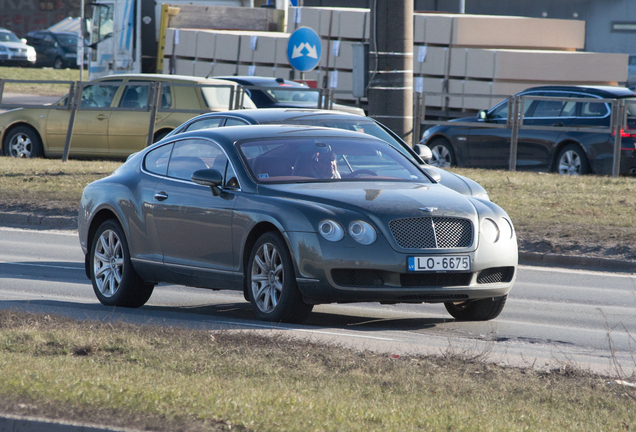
(489, 147)
(90, 131)
(194, 227)
(535, 147)
(128, 129)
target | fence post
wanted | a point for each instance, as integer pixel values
(618, 138)
(232, 98)
(1, 89)
(417, 114)
(156, 88)
(514, 136)
(73, 101)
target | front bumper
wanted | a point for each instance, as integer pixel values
(347, 272)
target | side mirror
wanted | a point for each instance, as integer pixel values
(423, 152)
(432, 173)
(482, 115)
(209, 177)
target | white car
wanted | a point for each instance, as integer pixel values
(14, 51)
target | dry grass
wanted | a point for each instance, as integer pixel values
(170, 379)
(38, 74)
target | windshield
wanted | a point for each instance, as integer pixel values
(291, 93)
(8, 37)
(67, 41)
(362, 125)
(327, 159)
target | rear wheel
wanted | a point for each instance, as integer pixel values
(23, 142)
(443, 155)
(572, 161)
(477, 310)
(58, 63)
(271, 282)
(115, 281)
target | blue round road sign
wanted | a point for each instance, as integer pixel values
(304, 49)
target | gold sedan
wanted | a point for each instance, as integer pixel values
(37, 132)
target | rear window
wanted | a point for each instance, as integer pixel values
(218, 98)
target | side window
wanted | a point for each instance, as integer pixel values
(548, 109)
(189, 156)
(593, 109)
(234, 122)
(204, 124)
(134, 96)
(230, 178)
(157, 160)
(166, 97)
(98, 95)
(501, 112)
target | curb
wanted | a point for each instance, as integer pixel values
(535, 258)
(13, 423)
(37, 221)
(525, 258)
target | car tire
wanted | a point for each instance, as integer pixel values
(58, 63)
(115, 281)
(477, 310)
(443, 155)
(271, 282)
(160, 135)
(23, 142)
(572, 161)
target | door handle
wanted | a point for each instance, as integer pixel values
(161, 196)
(102, 117)
(558, 124)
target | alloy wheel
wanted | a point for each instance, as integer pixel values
(441, 156)
(108, 263)
(267, 277)
(570, 163)
(20, 146)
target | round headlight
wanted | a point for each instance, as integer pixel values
(506, 229)
(331, 230)
(489, 230)
(362, 232)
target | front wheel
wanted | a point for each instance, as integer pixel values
(23, 142)
(477, 310)
(58, 63)
(115, 281)
(271, 282)
(443, 155)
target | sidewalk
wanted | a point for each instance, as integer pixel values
(36, 221)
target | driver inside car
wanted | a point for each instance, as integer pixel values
(324, 165)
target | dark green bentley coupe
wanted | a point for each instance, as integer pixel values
(293, 216)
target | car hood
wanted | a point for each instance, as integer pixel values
(15, 45)
(384, 200)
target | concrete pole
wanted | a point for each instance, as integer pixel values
(462, 6)
(390, 89)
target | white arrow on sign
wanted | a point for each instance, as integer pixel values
(297, 50)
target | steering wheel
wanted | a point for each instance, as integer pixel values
(359, 172)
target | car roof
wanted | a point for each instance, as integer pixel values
(230, 135)
(257, 80)
(281, 114)
(604, 91)
(162, 77)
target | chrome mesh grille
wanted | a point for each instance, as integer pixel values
(496, 275)
(432, 232)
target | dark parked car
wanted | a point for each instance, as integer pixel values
(564, 152)
(280, 93)
(333, 119)
(56, 49)
(293, 216)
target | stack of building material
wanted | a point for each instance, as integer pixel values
(209, 53)
(464, 54)
(499, 55)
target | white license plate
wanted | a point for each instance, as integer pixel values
(439, 263)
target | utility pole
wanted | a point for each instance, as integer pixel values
(390, 89)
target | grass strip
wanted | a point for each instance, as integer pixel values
(177, 379)
(38, 74)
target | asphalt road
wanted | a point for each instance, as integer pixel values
(553, 316)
